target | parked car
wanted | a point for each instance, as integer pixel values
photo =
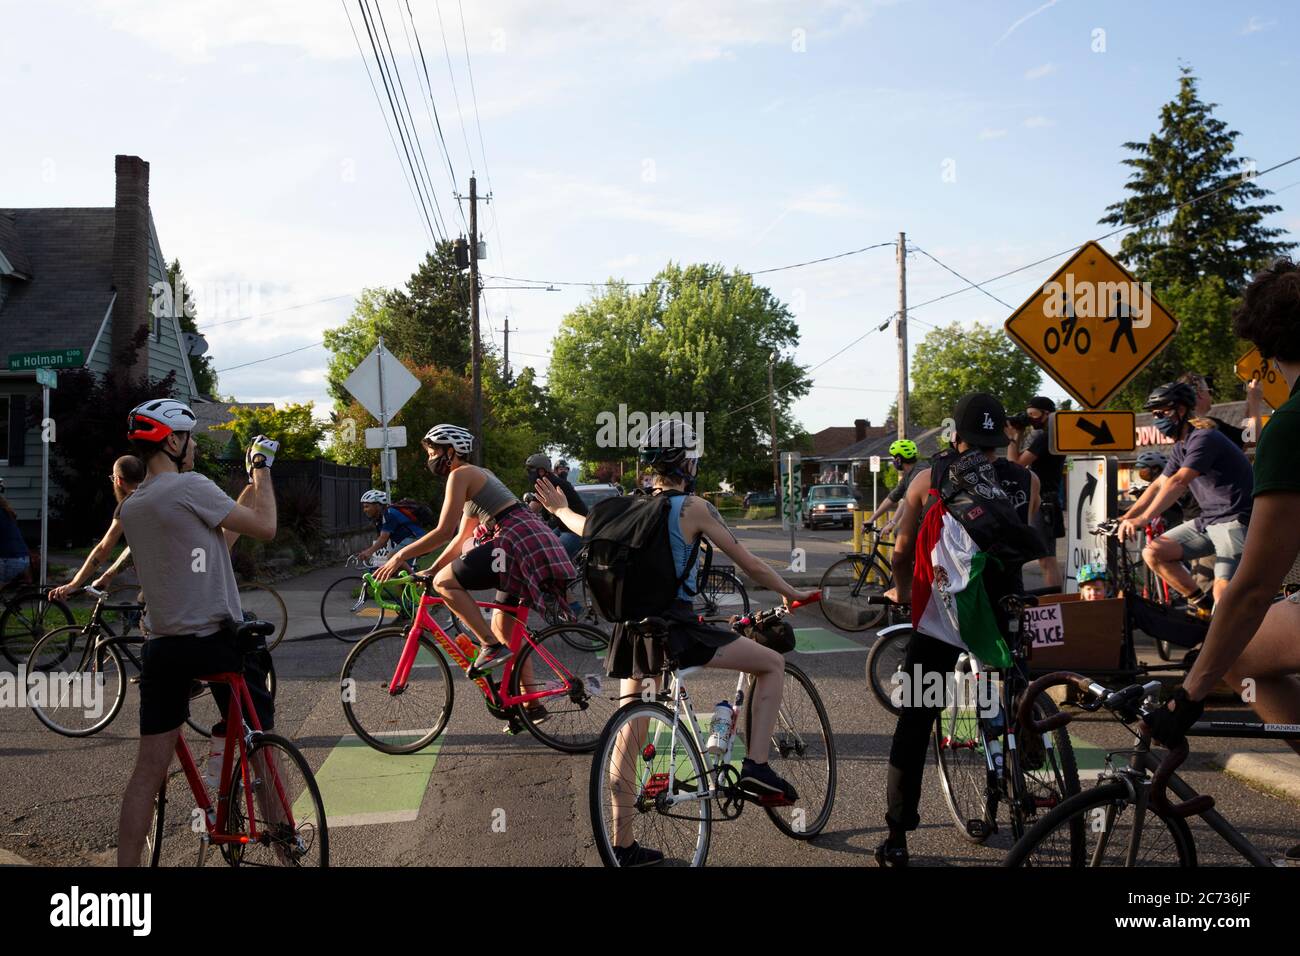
(590, 494)
(828, 506)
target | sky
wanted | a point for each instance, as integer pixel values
(616, 137)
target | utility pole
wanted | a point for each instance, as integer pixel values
(506, 348)
(476, 411)
(771, 404)
(902, 335)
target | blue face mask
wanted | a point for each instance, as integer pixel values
(1168, 426)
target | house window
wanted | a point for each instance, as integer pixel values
(4, 429)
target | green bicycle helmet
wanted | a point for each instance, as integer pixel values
(903, 448)
(1091, 572)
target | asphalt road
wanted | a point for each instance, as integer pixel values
(491, 799)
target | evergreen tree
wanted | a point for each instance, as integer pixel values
(205, 376)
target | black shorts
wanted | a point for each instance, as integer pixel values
(473, 571)
(688, 644)
(169, 666)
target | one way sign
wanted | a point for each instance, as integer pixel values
(1086, 433)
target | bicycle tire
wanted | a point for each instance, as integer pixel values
(607, 749)
(153, 838)
(1053, 783)
(267, 606)
(53, 716)
(884, 659)
(714, 591)
(1032, 849)
(19, 632)
(846, 588)
(593, 701)
(310, 830)
(966, 781)
(369, 667)
(788, 748)
(348, 625)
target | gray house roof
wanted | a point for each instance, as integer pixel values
(12, 249)
(69, 256)
(927, 445)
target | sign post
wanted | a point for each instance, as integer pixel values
(792, 483)
(48, 379)
(382, 384)
(875, 478)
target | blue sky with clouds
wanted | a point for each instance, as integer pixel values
(620, 136)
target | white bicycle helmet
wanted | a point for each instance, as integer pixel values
(375, 498)
(669, 447)
(154, 420)
(455, 436)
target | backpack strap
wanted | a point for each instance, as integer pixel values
(700, 543)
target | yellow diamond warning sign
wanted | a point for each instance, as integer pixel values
(1092, 326)
(1252, 366)
(1085, 433)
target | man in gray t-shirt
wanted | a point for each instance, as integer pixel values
(179, 526)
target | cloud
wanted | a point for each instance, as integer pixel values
(987, 133)
(1257, 25)
(1028, 16)
(1038, 72)
(1038, 122)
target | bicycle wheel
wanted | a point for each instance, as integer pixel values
(289, 815)
(884, 660)
(572, 654)
(721, 594)
(153, 838)
(964, 774)
(265, 604)
(1104, 815)
(1047, 773)
(82, 686)
(348, 611)
(24, 621)
(641, 760)
(410, 719)
(803, 752)
(846, 588)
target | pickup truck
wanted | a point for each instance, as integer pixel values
(828, 506)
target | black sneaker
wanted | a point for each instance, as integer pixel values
(889, 855)
(536, 714)
(490, 657)
(760, 780)
(637, 855)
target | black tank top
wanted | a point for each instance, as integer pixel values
(1017, 482)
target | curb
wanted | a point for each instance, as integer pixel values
(1278, 772)
(11, 859)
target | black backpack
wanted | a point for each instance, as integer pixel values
(630, 572)
(971, 490)
(417, 511)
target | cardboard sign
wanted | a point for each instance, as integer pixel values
(1045, 626)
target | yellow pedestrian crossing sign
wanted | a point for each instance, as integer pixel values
(1092, 326)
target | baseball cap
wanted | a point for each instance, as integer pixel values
(980, 420)
(538, 461)
(1042, 403)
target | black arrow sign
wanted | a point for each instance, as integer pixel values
(1089, 489)
(1100, 431)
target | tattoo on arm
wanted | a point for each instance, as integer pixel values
(714, 512)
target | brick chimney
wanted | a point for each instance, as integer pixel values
(131, 257)
(860, 426)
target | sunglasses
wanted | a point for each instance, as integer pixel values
(1162, 412)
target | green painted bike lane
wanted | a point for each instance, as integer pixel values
(360, 786)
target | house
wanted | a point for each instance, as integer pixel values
(81, 282)
(829, 441)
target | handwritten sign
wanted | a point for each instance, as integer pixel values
(1045, 627)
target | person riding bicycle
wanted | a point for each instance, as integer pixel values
(128, 472)
(179, 526)
(523, 561)
(980, 423)
(539, 466)
(15, 558)
(392, 525)
(1091, 579)
(670, 450)
(1148, 467)
(1251, 641)
(904, 454)
(1219, 476)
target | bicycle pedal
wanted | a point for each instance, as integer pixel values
(773, 800)
(134, 680)
(979, 829)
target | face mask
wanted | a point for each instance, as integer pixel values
(1168, 426)
(440, 466)
(1038, 422)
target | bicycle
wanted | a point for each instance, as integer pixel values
(26, 613)
(1127, 819)
(91, 660)
(397, 689)
(265, 604)
(357, 605)
(719, 592)
(268, 809)
(649, 768)
(886, 656)
(849, 585)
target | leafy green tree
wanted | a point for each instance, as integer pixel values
(1223, 235)
(201, 367)
(292, 426)
(952, 360)
(696, 339)
(354, 339)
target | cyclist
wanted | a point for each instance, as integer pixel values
(177, 525)
(128, 472)
(15, 558)
(980, 422)
(666, 449)
(1219, 476)
(1092, 582)
(1252, 639)
(904, 454)
(539, 466)
(523, 560)
(392, 526)
(562, 469)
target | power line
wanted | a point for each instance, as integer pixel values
(446, 153)
(460, 114)
(961, 277)
(288, 308)
(405, 174)
(231, 368)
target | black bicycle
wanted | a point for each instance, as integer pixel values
(1127, 819)
(26, 613)
(851, 584)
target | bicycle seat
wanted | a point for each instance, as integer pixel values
(252, 634)
(652, 626)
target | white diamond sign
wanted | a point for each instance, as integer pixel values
(398, 384)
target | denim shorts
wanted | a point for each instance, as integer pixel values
(11, 568)
(1225, 541)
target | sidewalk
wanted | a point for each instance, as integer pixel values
(11, 859)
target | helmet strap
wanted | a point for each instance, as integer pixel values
(179, 460)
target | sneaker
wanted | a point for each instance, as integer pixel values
(889, 855)
(760, 780)
(536, 714)
(1292, 856)
(637, 855)
(490, 657)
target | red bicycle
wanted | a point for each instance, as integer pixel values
(268, 809)
(397, 688)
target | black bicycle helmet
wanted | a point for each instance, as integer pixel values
(669, 448)
(1171, 393)
(1152, 459)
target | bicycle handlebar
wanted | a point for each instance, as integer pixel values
(1128, 700)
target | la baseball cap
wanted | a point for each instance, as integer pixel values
(980, 420)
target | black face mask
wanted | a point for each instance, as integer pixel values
(1038, 422)
(440, 466)
(534, 474)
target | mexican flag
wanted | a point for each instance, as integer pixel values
(949, 602)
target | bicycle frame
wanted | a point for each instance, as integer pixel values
(713, 763)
